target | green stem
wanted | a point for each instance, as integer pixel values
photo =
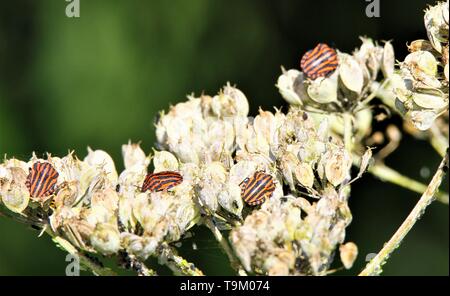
(388, 174)
(89, 264)
(235, 263)
(384, 93)
(438, 140)
(180, 266)
(139, 267)
(377, 89)
(374, 267)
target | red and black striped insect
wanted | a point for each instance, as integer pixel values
(41, 179)
(257, 188)
(161, 181)
(320, 61)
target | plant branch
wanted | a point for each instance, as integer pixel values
(235, 263)
(131, 262)
(388, 174)
(88, 263)
(180, 266)
(374, 267)
(348, 132)
(438, 140)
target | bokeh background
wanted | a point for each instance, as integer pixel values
(100, 80)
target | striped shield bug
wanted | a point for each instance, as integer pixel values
(41, 179)
(257, 188)
(161, 181)
(320, 61)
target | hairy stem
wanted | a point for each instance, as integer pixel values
(374, 267)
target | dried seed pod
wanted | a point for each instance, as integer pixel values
(388, 62)
(290, 85)
(337, 166)
(422, 120)
(13, 192)
(348, 253)
(350, 73)
(324, 90)
(422, 61)
(106, 239)
(436, 24)
(420, 45)
(134, 157)
(101, 160)
(305, 175)
(429, 101)
(165, 161)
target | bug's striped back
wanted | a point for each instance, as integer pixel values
(41, 179)
(320, 61)
(256, 189)
(161, 181)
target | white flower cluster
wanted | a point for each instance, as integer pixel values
(347, 90)
(292, 235)
(215, 147)
(289, 147)
(421, 86)
(97, 210)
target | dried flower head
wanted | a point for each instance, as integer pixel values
(421, 85)
(347, 87)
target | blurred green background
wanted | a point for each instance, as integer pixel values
(100, 80)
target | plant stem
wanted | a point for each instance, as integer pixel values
(235, 263)
(180, 266)
(438, 140)
(384, 92)
(88, 263)
(131, 262)
(374, 267)
(348, 132)
(388, 174)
